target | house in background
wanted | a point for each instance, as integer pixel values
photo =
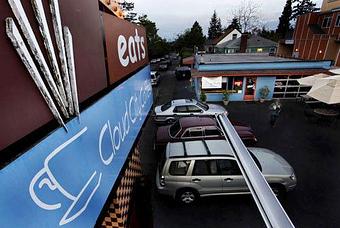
(229, 34)
(247, 43)
(244, 74)
(316, 35)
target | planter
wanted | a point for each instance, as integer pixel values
(225, 103)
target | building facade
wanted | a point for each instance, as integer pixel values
(244, 75)
(230, 34)
(316, 35)
(247, 44)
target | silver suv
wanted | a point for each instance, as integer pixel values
(190, 170)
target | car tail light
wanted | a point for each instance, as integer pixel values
(162, 181)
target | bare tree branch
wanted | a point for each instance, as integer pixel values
(248, 15)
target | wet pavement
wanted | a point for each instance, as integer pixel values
(313, 149)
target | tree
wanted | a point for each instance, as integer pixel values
(189, 39)
(196, 37)
(247, 15)
(128, 8)
(302, 7)
(156, 45)
(235, 24)
(215, 29)
(269, 34)
(284, 24)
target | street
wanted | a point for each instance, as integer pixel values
(311, 148)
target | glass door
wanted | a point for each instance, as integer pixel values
(249, 94)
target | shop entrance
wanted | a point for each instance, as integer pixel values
(250, 91)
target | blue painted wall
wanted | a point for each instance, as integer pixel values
(267, 66)
(262, 82)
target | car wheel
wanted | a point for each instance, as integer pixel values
(187, 196)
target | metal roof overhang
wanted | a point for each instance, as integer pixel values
(278, 65)
(270, 208)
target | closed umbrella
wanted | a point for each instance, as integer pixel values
(310, 80)
(326, 90)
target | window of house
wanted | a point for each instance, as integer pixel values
(235, 83)
(326, 23)
(337, 24)
(259, 50)
(234, 36)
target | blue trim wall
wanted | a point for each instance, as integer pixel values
(262, 82)
(266, 66)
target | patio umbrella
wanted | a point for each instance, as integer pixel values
(310, 80)
(335, 71)
(326, 90)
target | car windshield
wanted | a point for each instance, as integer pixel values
(203, 106)
(174, 129)
(256, 160)
(166, 106)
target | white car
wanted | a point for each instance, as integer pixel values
(169, 112)
(155, 76)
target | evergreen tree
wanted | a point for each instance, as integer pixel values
(157, 46)
(303, 6)
(235, 24)
(215, 29)
(284, 25)
(128, 7)
(196, 37)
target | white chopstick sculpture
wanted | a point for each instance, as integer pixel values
(62, 85)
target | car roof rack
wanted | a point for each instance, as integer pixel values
(185, 149)
(206, 147)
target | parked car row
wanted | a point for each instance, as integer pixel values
(196, 160)
(155, 78)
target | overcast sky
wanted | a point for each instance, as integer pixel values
(173, 17)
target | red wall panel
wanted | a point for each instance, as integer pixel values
(22, 108)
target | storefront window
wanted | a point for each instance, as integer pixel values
(232, 84)
(289, 87)
(235, 84)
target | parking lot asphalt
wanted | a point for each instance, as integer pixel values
(311, 148)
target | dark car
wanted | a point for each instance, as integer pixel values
(183, 72)
(196, 128)
(164, 66)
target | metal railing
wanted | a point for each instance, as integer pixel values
(269, 206)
